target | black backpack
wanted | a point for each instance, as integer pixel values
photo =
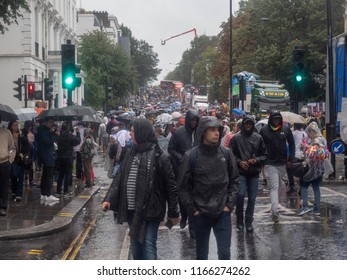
(194, 154)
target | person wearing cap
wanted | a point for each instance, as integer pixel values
(250, 153)
(208, 189)
(276, 136)
(182, 139)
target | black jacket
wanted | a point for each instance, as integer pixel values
(182, 139)
(248, 145)
(163, 190)
(213, 184)
(276, 143)
(66, 141)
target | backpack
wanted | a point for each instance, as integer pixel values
(194, 154)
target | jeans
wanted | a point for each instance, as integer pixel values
(47, 180)
(249, 185)
(222, 231)
(304, 193)
(148, 249)
(5, 169)
(65, 174)
(17, 178)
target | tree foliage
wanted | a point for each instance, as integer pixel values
(10, 11)
(103, 61)
(144, 58)
(264, 34)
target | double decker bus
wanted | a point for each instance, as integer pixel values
(171, 86)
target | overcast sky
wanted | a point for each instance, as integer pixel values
(156, 20)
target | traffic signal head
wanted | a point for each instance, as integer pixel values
(18, 82)
(31, 90)
(48, 87)
(298, 64)
(68, 66)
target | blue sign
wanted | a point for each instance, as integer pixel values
(337, 146)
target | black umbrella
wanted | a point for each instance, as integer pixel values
(91, 119)
(7, 114)
(153, 112)
(58, 114)
(125, 118)
(81, 111)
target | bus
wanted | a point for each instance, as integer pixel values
(171, 86)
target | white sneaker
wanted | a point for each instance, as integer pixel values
(52, 198)
(43, 197)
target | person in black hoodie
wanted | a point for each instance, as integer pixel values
(209, 187)
(276, 136)
(66, 142)
(250, 153)
(141, 190)
(182, 140)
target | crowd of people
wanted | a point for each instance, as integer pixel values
(189, 167)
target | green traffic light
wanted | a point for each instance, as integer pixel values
(298, 78)
(69, 80)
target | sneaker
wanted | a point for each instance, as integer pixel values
(240, 226)
(316, 212)
(18, 199)
(43, 197)
(3, 212)
(52, 198)
(275, 217)
(304, 210)
(249, 228)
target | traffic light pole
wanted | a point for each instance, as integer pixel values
(25, 91)
(69, 97)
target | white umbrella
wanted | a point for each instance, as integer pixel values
(291, 117)
(25, 114)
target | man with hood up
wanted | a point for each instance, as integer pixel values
(250, 153)
(276, 136)
(208, 189)
(182, 140)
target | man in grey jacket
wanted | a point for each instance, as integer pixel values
(208, 182)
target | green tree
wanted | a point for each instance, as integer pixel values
(145, 60)
(101, 60)
(10, 11)
(265, 33)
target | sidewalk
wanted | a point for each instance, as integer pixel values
(33, 218)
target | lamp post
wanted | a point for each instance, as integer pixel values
(230, 59)
(279, 43)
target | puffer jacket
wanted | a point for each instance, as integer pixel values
(162, 186)
(214, 183)
(246, 146)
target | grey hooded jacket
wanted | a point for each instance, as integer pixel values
(213, 184)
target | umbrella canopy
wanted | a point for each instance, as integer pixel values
(83, 110)
(58, 114)
(7, 114)
(92, 119)
(238, 111)
(126, 118)
(291, 117)
(152, 112)
(25, 114)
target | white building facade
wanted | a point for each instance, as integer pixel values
(32, 49)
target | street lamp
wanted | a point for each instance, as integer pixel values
(280, 40)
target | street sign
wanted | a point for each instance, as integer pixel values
(337, 146)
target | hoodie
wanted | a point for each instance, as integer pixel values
(214, 183)
(276, 140)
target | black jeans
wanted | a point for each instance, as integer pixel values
(65, 174)
(5, 170)
(79, 166)
(47, 180)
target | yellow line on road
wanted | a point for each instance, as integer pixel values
(65, 214)
(68, 251)
(83, 196)
(35, 252)
(75, 252)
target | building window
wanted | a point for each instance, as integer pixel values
(37, 49)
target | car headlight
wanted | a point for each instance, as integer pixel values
(262, 93)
